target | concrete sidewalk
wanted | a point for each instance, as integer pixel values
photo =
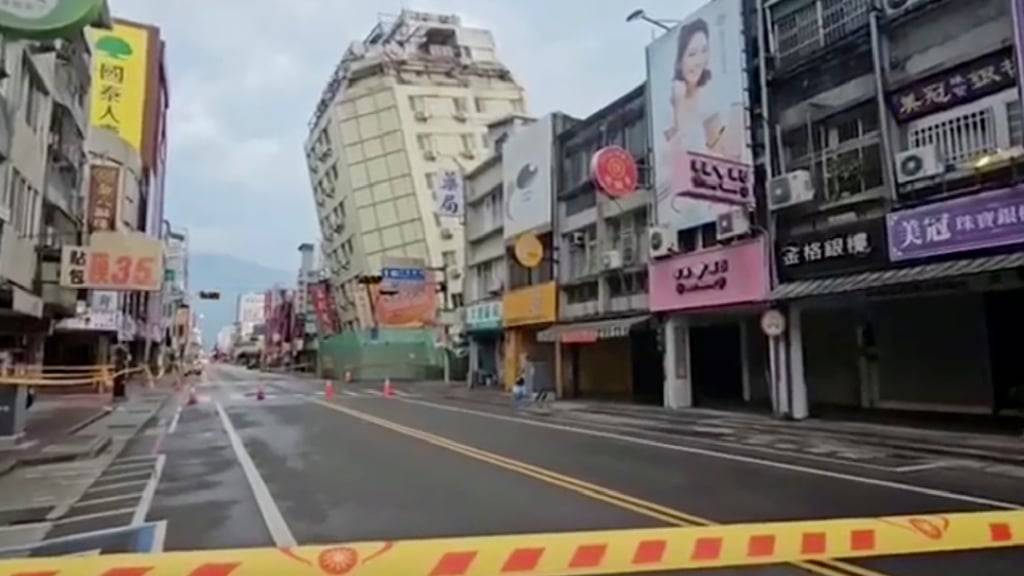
(727, 425)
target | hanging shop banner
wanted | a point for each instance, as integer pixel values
(526, 171)
(120, 74)
(965, 83)
(327, 321)
(405, 298)
(450, 194)
(736, 274)
(855, 247)
(532, 305)
(104, 193)
(114, 261)
(698, 117)
(971, 223)
(613, 169)
(46, 19)
(484, 317)
(1018, 37)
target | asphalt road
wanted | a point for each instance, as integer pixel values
(363, 467)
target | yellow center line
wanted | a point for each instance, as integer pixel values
(643, 507)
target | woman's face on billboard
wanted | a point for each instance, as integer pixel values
(695, 59)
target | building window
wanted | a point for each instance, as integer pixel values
(449, 258)
(32, 94)
(25, 210)
(801, 32)
(481, 105)
(960, 138)
(580, 202)
(468, 142)
(425, 142)
(457, 300)
(460, 105)
(418, 103)
(627, 284)
(431, 180)
(581, 293)
(583, 251)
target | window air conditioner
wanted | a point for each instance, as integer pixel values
(918, 163)
(611, 260)
(578, 238)
(421, 116)
(429, 155)
(894, 8)
(790, 189)
(732, 224)
(461, 116)
(663, 242)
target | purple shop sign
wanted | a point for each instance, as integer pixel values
(971, 223)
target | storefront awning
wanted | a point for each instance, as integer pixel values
(590, 332)
(881, 278)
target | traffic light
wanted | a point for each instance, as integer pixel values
(209, 295)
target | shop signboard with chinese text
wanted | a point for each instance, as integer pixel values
(327, 320)
(531, 305)
(965, 83)
(120, 74)
(450, 194)
(853, 247)
(734, 274)
(114, 261)
(104, 195)
(974, 222)
(405, 298)
(484, 316)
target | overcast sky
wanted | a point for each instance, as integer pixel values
(246, 74)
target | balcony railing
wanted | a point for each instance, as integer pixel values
(802, 32)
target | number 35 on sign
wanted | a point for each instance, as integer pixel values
(127, 263)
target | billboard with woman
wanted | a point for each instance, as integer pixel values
(697, 95)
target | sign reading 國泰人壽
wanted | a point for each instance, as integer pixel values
(120, 69)
(42, 19)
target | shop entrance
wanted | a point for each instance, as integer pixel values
(716, 363)
(648, 369)
(1004, 311)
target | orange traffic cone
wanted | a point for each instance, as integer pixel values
(260, 395)
(192, 400)
(328, 390)
(388, 390)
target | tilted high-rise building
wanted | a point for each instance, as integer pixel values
(411, 99)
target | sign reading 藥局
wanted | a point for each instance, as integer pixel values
(698, 118)
(855, 247)
(450, 194)
(980, 221)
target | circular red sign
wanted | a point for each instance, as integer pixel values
(614, 171)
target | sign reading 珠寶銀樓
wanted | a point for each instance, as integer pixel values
(532, 305)
(120, 70)
(43, 19)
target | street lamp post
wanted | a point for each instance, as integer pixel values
(639, 14)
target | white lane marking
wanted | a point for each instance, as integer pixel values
(737, 458)
(920, 467)
(272, 516)
(373, 392)
(159, 536)
(147, 495)
(349, 393)
(174, 421)
(406, 394)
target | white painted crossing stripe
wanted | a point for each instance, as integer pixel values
(147, 495)
(374, 392)
(352, 394)
(272, 516)
(174, 421)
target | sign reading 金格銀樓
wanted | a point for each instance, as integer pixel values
(853, 247)
(734, 274)
(974, 222)
(965, 83)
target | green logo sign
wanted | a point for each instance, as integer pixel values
(42, 19)
(114, 47)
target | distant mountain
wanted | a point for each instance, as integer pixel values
(230, 276)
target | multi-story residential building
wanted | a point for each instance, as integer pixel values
(413, 98)
(250, 313)
(485, 256)
(901, 273)
(305, 313)
(604, 325)
(44, 94)
(176, 291)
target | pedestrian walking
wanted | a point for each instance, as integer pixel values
(120, 366)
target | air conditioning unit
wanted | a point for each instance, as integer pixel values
(461, 116)
(578, 238)
(732, 224)
(790, 189)
(446, 234)
(918, 163)
(455, 272)
(429, 155)
(894, 8)
(663, 242)
(468, 154)
(611, 260)
(421, 115)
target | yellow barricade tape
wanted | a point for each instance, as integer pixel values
(601, 552)
(101, 376)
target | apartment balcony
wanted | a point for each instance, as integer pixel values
(579, 310)
(802, 30)
(58, 302)
(630, 303)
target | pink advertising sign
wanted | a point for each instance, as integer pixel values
(729, 275)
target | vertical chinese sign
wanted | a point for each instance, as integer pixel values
(323, 304)
(450, 194)
(104, 185)
(119, 80)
